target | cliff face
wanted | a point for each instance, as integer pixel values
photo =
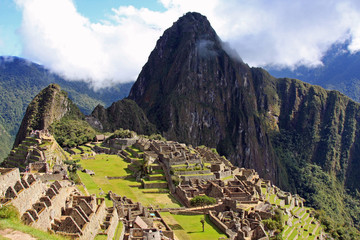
(124, 114)
(319, 127)
(194, 92)
(50, 105)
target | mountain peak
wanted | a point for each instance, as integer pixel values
(193, 22)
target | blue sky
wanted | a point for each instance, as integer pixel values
(95, 10)
(103, 42)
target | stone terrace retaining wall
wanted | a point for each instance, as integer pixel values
(218, 223)
(53, 211)
(8, 177)
(28, 196)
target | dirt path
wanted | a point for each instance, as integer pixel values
(15, 235)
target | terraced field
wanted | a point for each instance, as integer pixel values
(302, 223)
(105, 166)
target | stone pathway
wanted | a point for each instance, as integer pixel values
(15, 235)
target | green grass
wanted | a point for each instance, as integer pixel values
(85, 148)
(76, 151)
(135, 149)
(154, 181)
(112, 165)
(81, 188)
(118, 230)
(227, 178)
(38, 234)
(191, 227)
(100, 237)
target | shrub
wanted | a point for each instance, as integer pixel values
(200, 201)
(9, 212)
(121, 133)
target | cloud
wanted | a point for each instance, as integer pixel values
(102, 54)
(278, 32)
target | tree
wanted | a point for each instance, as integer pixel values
(73, 165)
(201, 201)
(203, 223)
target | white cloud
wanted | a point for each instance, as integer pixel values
(278, 32)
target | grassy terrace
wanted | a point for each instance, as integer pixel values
(19, 226)
(189, 227)
(85, 148)
(301, 225)
(76, 151)
(114, 166)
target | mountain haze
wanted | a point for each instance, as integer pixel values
(21, 80)
(340, 71)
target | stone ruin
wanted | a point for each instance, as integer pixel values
(56, 207)
(238, 223)
(140, 222)
(35, 153)
(84, 217)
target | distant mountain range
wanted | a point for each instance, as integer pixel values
(340, 71)
(21, 80)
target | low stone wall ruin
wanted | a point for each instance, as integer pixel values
(8, 177)
(218, 223)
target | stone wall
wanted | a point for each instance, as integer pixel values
(8, 177)
(200, 177)
(121, 143)
(93, 226)
(190, 172)
(223, 174)
(53, 211)
(218, 223)
(181, 195)
(50, 177)
(41, 167)
(154, 185)
(114, 221)
(25, 198)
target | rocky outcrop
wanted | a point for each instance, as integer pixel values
(124, 114)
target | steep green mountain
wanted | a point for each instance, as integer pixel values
(21, 80)
(302, 137)
(52, 110)
(5, 142)
(124, 114)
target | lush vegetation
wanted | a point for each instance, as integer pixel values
(202, 200)
(72, 132)
(21, 80)
(276, 223)
(5, 142)
(121, 133)
(339, 211)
